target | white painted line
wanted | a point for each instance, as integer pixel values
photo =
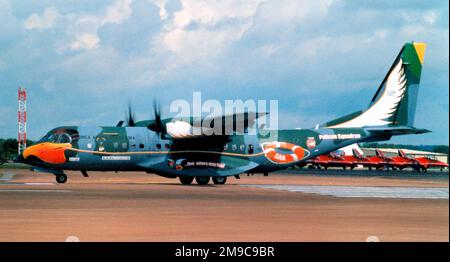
(40, 184)
(358, 191)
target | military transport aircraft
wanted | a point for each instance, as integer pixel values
(163, 147)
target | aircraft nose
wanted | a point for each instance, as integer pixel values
(52, 153)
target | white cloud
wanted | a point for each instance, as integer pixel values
(215, 25)
(117, 12)
(161, 4)
(85, 41)
(44, 21)
(211, 12)
(80, 28)
(427, 17)
(279, 12)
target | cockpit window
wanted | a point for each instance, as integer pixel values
(60, 136)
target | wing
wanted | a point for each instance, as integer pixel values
(212, 126)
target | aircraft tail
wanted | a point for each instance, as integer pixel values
(379, 153)
(402, 154)
(394, 103)
(356, 153)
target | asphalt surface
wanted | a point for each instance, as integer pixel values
(294, 205)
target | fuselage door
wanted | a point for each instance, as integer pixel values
(112, 139)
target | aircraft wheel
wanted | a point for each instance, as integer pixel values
(186, 180)
(219, 180)
(202, 180)
(61, 178)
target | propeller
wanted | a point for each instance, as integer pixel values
(130, 117)
(157, 125)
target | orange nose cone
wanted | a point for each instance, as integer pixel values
(52, 153)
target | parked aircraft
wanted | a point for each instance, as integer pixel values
(424, 163)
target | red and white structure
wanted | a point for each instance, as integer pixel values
(22, 119)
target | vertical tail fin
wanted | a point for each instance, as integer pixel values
(356, 153)
(394, 102)
(379, 153)
(402, 154)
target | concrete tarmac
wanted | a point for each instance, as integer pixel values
(288, 206)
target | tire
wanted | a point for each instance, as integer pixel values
(186, 180)
(219, 180)
(202, 180)
(61, 178)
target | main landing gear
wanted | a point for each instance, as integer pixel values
(219, 180)
(186, 180)
(202, 180)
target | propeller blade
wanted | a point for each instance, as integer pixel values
(130, 117)
(157, 126)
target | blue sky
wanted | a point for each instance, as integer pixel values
(81, 62)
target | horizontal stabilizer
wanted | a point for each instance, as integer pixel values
(396, 130)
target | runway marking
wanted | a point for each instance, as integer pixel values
(358, 191)
(39, 184)
(35, 190)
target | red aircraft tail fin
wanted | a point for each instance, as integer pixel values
(401, 153)
(379, 153)
(356, 153)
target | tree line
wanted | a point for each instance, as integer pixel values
(8, 148)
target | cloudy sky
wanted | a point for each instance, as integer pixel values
(81, 62)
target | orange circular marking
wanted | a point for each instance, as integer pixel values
(270, 151)
(179, 167)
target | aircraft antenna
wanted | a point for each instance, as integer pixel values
(22, 120)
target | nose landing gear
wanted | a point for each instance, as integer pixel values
(61, 178)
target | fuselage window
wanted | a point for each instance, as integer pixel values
(225, 147)
(166, 146)
(116, 145)
(158, 146)
(234, 147)
(124, 145)
(242, 147)
(141, 146)
(133, 146)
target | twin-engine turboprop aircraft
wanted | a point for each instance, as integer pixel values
(163, 147)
